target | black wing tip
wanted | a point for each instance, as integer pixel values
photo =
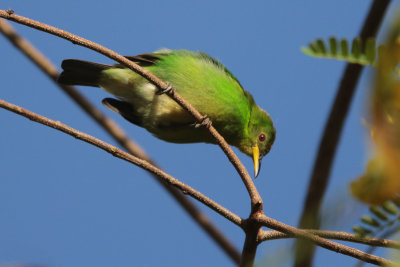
(123, 108)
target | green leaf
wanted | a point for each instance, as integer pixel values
(361, 231)
(391, 208)
(376, 210)
(314, 47)
(344, 45)
(356, 48)
(333, 46)
(307, 51)
(371, 221)
(321, 46)
(361, 52)
(386, 216)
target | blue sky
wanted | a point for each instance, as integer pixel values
(66, 203)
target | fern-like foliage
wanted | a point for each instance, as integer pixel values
(382, 218)
(360, 52)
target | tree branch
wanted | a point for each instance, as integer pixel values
(116, 152)
(256, 201)
(330, 138)
(119, 135)
(371, 249)
(252, 229)
(303, 234)
(371, 241)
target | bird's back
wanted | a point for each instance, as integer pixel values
(208, 86)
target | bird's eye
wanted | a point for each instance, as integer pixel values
(261, 137)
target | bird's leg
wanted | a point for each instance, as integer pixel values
(205, 121)
(166, 89)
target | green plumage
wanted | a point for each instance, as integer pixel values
(200, 79)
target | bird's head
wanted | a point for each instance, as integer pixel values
(260, 137)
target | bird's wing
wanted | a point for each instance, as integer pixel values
(125, 109)
(219, 65)
(148, 59)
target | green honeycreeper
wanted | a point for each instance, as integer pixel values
(198, 78)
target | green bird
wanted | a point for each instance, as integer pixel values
(198, 78)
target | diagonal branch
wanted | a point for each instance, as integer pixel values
(116, 152)
(371, 241)
(256, 201)
(303, 234)
(330, 138)
(118, 134)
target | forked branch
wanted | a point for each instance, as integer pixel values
(344, 236)
(322, 242)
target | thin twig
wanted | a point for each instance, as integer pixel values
(256, 201)
(322, 242)
(372, 249)
(116, 152)
(330, 138)
(344, 236)
(119, 135)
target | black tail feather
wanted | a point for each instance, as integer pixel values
(80, 72)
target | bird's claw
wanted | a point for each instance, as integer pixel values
(205, 122)
(167, 89)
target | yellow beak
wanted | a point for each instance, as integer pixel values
(256, 160)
